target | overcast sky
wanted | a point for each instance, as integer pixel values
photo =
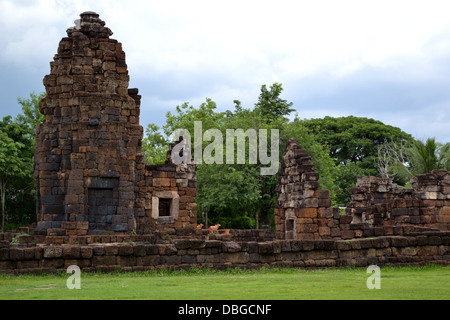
(387, 60)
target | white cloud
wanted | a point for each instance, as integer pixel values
(189, 50)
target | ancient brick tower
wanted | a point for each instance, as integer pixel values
(88, 159)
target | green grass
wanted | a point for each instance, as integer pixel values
(429, 282)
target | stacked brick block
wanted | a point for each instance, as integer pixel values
(379, 204)
(378, 208)
(178, 183)
(89, 167)
(90, 140)
(185, 254)
(433, 191)
(303, 211)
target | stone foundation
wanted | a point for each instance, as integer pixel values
(428, 248)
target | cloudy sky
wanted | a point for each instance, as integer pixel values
(387, 60)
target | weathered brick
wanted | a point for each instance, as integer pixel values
(345, 219)
(71, 252)
(150, 260)
(322, 194)
(399, 241)
(308, 245)
(86, 252)
(16, 254)
(168, 249)
(343, 245)
(125, 250)
(139, 250)
(347, 234)
(104, 260)
(265, 248)
(231, 246)
(53, 252)
(98, 251)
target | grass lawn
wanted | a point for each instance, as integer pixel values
(429, 282)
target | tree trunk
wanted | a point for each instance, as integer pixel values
(257, 220)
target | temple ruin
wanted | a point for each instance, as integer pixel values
(89, 166)
(378, 208)
(100, 207)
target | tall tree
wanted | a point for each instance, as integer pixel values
(236, 195)
(154, 145)
(354, 139)
(31, 115)
(429, 155)
(320, 154)
(13, 164)
(353, 143)
(270, 105)
(402, 162)
(18, 137)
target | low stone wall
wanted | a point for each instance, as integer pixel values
(426, 248)
(380, 203)
(378, 207)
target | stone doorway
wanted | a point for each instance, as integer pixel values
(102, 203)
(101, 209)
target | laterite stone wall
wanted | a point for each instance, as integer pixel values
(431, 248)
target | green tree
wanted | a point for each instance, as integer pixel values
(430, 155)
(345, 178)
(353, 143)
(233, 195)
(17, 149)
(270, 105)
(154, 145)
(355, 139)
(417, 158)
(13, 165)
(320, 155)
(238, 195)
(31, 116)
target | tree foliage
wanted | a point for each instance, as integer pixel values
(401, 162)
(237, 195)
(31, 116)
(353, 143)
(270, 105)
(354, 139)
(154, 145)
(17, 142)
(14, 166)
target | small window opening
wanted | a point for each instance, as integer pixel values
(164, 207)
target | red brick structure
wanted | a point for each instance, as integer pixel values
(378, 208)
(89, 167)
(100, 206)
(378, 203)
(303, 211)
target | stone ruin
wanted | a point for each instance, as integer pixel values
(302, 209)
(92, 178)
(89, 166)
(378, 208)
(100, 207)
